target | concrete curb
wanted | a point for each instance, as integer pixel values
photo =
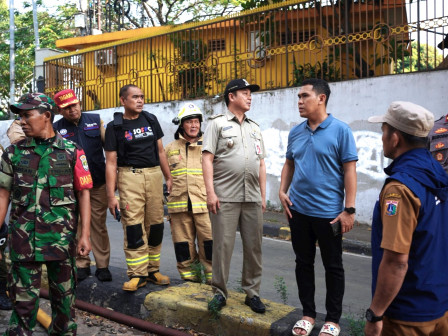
(185, 304)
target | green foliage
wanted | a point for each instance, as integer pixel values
(356, 324)
(327, 70)
(213, 309)
(280, 287)
(193, 81)
(138, 13)
(250, 4)
(52, 26)
(4, 115)
(198, 271)
(430, 58)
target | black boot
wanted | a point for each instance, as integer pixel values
(5, 302)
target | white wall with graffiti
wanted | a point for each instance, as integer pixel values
(351, 101)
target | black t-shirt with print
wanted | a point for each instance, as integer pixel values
(139, 140)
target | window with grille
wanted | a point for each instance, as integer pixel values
(296, 37)
(217, 45)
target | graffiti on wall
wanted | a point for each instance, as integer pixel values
(371, 160)
(369, 145)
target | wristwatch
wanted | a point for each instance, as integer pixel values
(350, 211)
(371, 317)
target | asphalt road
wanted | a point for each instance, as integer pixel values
(278, 265)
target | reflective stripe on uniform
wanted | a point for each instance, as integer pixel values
(154, 257)
(182, 171)
(208, 275)
(172, 205)
(137, 261)
(184, 275)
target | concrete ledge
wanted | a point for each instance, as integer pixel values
(186, 305)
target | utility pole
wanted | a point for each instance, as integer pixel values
(12, 97)
(36, 26)
(37, 44)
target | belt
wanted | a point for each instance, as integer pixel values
(138, 170)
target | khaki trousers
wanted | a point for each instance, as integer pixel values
(248, 216)
(437, 327)
(141, 206)
(185, 227)
(99, 237)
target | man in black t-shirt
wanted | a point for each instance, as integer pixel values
(134, 149)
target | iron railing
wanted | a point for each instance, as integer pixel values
(276, 47)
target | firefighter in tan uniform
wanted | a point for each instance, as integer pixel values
(136, 163)
(187, 203)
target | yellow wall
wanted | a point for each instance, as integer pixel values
(166, 72)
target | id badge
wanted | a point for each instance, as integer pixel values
(258, 150)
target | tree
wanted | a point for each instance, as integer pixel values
(53, 25)
(430, 58)
(131, 14)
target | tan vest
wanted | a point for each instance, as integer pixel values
(188, 182)
(438, 141)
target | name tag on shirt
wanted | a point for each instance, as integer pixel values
(258, 150)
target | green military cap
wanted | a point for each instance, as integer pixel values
(31, 101)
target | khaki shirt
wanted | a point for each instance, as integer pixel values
(238, 149)
(185, 162)
(399, 214)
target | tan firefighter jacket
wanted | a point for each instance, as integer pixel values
(185, 163)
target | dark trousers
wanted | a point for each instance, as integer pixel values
(305, 231)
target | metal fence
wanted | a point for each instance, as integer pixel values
(276, 47)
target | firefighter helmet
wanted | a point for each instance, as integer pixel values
(188, 111)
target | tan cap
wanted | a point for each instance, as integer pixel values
(407, 117)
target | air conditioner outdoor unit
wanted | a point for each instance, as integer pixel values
(105, 57)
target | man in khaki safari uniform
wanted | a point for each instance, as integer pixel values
(134, 144)
(235, 180)
(187, 203)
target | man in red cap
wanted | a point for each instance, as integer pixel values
(86, 129)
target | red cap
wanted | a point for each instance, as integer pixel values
(65, 98)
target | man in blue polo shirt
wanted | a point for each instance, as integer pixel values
(320, 168)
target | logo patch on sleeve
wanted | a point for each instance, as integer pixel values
(84, 162)
(391, 207)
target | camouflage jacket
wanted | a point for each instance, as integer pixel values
(44, 214)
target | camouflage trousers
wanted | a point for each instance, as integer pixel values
(24, 282)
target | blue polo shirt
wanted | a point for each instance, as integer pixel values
(317, 187)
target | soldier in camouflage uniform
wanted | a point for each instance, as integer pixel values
(48, 180)
(5, 303)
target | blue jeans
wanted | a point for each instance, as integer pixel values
(305, 231)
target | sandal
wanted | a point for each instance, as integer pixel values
(330, 329)
(305, 325)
